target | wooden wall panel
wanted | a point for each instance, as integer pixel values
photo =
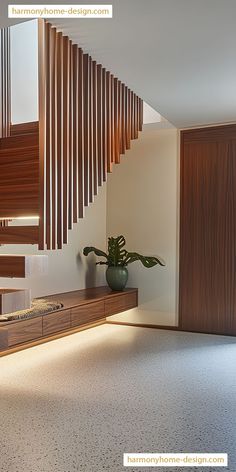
(207, 293)
(87, 119)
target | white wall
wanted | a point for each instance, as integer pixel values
(24, 72)
(68, 268)
(142, 205)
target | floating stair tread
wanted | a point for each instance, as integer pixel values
(19, 235)
(19, 141)
(12, 300)
(22, 266)
(24, 128)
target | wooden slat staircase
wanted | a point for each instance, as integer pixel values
(52, 169)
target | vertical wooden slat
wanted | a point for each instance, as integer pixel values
(70, 139)
(86, 126)
(122, 99)
(116, 124)
(132, 116)
(118, 120)
(112, 120)
(53, 88)
(95, 134)
(136, 117)
(140, 114)
(104, 125)
(42, 123)
(48, 137)
(75, 105)
(65, 137)
(5, 83)
(128, 132)
(80, 130)
(108, 120)
(91, 185)
(99, 125)
(59, 133)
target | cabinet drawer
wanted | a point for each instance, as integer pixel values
(87, 313)
(25, 331)
(120, 303)
(55, 322)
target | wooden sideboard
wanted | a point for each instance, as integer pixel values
(81, 308)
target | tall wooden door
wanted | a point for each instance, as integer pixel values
(207, 296)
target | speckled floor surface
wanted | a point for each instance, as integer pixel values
(78, 403)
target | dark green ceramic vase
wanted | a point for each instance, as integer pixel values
(117, 277)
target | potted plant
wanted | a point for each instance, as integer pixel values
(117, 259)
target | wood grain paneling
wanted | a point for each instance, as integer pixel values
(207, 297)
(86, 313)
(120, 303)
(19, 176)
(54, 322)
(24, 331)
(19, 235)
(31, 127)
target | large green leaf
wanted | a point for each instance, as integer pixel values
(147, 261)
(88, 249)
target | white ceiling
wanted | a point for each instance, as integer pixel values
(178, 55)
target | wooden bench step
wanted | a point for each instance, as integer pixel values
(22, 266)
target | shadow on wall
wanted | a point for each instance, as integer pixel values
(90, 270)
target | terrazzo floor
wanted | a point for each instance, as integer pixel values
(79, 403)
